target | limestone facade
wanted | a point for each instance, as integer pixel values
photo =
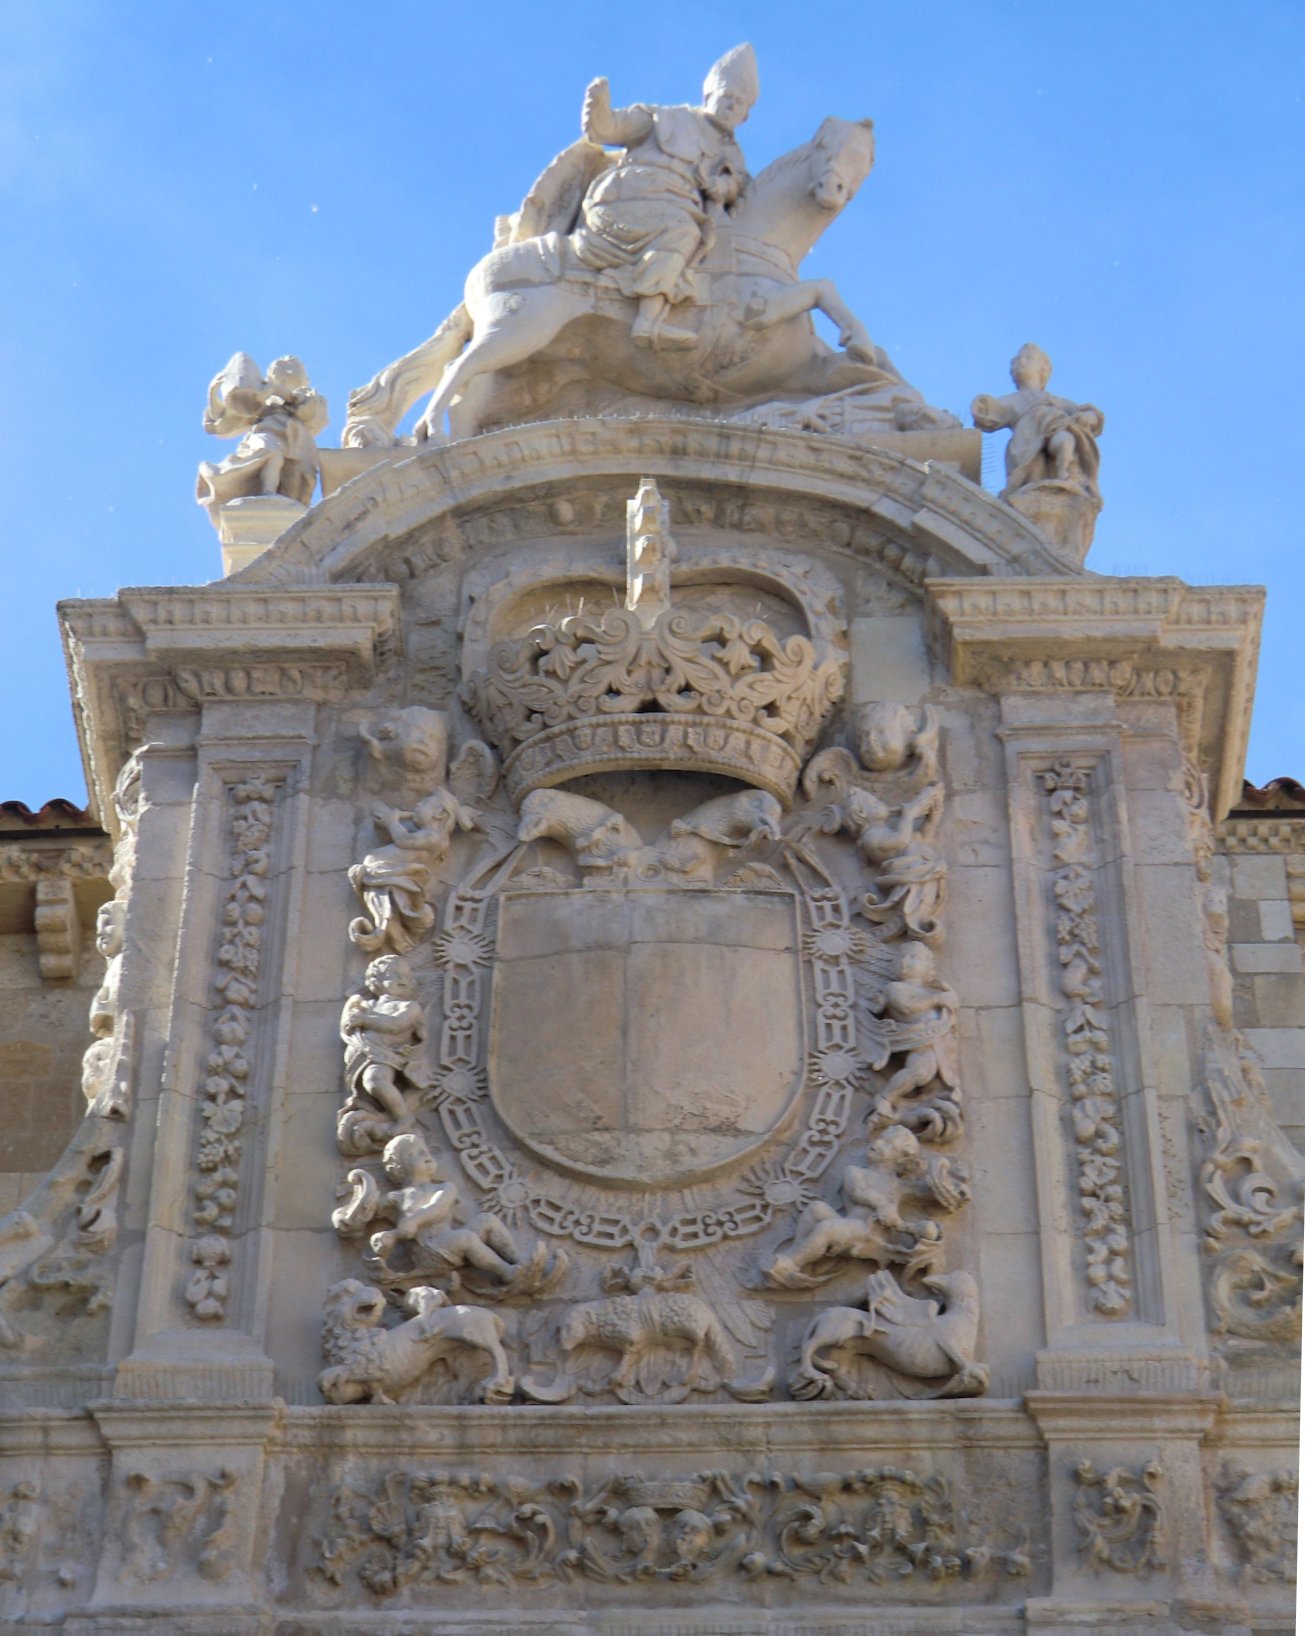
(677, 1036)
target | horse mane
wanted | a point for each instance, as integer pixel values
(764, 192)
(824, 139)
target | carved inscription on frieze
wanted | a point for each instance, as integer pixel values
(621, 1093)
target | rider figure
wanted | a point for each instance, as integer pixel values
(649, 217)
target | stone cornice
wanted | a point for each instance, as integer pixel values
(170, 648)
(939, 521)
(1156, 639)
(32, 858)
(1094, 1417)
(777, 1431)
(1276, 832)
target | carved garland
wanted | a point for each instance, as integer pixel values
(1089, 1064)
(463, 952)
(870, 1527)
(226, 1063)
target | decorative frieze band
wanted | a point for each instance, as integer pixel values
(433, 1531)
(1089, 1065)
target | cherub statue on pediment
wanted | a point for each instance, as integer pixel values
(277, 417)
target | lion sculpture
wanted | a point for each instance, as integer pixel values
(370, 1364)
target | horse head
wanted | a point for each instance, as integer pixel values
(794, 199)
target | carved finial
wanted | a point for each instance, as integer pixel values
(649, 553)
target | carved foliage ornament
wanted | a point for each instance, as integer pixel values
(179, 1524)
(1261, 1509)
(249, 810)
(1085, 1032)
(1254, 1183)
(1119, 1517)
(437, 1530)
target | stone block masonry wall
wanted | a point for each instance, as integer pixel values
(42, 1037)
(1265, 952)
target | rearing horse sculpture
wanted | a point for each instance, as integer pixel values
(532, 300)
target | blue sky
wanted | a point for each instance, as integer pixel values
(1120, 183)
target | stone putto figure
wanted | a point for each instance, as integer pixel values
(649, 217)
(410, 749)
(871, 1225)
(277, 418)
(1052, 460)
(426, 1211)
(392, 881)
(910, 879)
(920, 1023)
(383, 1030)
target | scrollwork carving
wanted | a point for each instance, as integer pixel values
(55, 1242)
(1119, 1517)
(174, 1525)
(440, 1530)
(1254, 1182)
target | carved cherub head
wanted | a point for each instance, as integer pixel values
(96, 1063)
(109, 922)
(286, 376)
(391, 976)
(1030, 368)
(411, 745)
(889, 735)
(896, 1150)
(407, 1160)
(885, 734)
(691, 1534)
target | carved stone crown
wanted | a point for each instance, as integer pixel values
(649, 685)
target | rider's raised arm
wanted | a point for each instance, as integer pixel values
(608, 126)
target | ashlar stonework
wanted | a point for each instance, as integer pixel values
(680, 1037)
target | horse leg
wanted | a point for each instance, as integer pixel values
(516, 326)
(813, 295)
(376, 409)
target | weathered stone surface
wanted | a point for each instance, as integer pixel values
(673, 1045)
